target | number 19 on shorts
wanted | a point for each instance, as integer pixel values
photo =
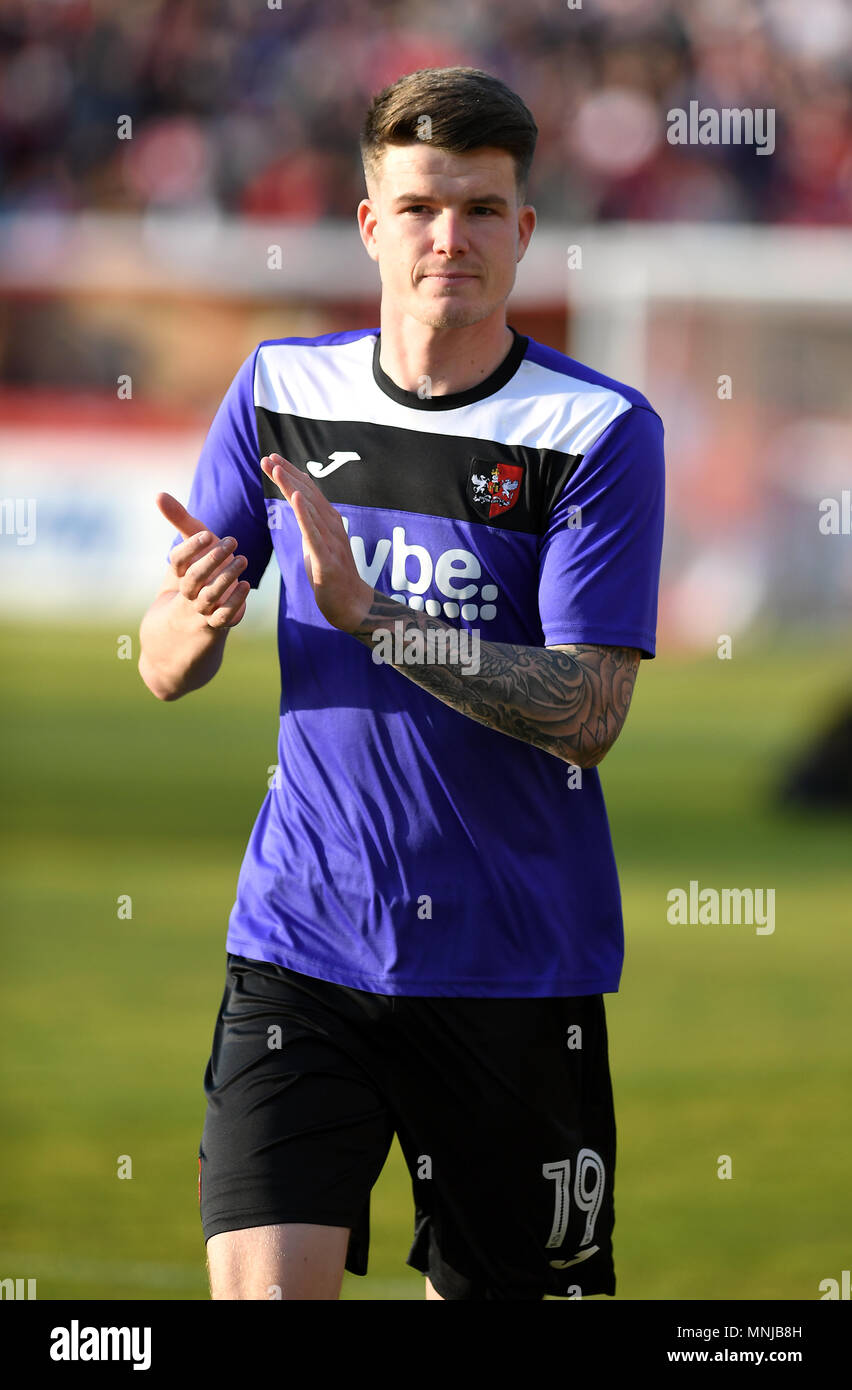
(588, 1194)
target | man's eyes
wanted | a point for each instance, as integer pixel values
(422, 207)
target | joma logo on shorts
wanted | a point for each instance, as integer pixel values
(413, 572)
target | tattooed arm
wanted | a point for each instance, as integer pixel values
(571, 701)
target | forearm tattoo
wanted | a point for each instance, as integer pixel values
(570, 702)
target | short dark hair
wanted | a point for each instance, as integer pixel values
(467, 109)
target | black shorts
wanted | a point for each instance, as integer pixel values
(503, 1108)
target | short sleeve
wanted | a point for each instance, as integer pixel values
(599, 557)
(227, 489)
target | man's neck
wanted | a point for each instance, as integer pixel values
(453, 359)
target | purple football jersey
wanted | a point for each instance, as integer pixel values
(404, 848)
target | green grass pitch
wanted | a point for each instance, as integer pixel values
(722, 1041)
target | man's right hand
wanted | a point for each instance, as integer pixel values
(206, 574)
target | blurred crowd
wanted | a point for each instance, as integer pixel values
(243, 107)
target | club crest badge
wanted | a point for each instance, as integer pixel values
(494, 488)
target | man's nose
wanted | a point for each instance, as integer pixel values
(449, 237)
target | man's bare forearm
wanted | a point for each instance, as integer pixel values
(571, 703)
(176, 659)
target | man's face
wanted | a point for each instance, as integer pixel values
(447, 232)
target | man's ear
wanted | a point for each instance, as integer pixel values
(367, 220)
(526, 226)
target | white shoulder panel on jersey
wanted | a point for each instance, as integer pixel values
(538, 407)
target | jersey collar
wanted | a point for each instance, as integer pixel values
(492, 383)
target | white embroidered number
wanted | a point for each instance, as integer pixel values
(561, 1173)
(588, 1197)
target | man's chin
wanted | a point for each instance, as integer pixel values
(453, 315)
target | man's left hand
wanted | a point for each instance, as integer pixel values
(342, 596)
